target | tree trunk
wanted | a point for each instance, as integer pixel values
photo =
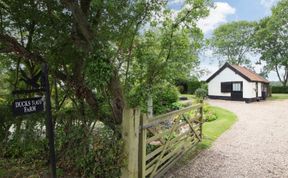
(117, 101)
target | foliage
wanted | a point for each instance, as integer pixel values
(210, 117)
(99, 155)
(209, 114)
(100, 58)
(201, 93)
(279, 89)
(232, 42)
(193, 85)
(177, 106)
(18, 168)
(105, 157)
(212, 130)
(27, 143)
(164, 99)
(188, 86)
(271, 41)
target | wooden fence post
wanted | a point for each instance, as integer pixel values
(142, 148)
(130, 135)
(201, 118)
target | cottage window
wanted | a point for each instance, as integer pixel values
(236, 87)
(226, 87)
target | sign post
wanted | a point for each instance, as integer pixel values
(37, 104)
(49, 122)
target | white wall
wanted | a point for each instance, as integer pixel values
(259, 89)
(228, 75)
(250, 90)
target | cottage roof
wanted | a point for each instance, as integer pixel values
(242, 71)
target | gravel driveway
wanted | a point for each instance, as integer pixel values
(255, 146)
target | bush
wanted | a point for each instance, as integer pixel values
(188, 86)
(209, 115)
(279, 89)
(200, 93)
(164, 99)
(193, 85)
(97, 155)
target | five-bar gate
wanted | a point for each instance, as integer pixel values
(153, 145)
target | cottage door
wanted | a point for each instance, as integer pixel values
(237, 91)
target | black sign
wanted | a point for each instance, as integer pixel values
(27, 106)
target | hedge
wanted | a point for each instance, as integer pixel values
(188, 86)
(279, 89)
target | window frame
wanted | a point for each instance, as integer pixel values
(241, 87)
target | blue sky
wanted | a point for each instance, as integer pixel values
(226, 11)
(250, 9)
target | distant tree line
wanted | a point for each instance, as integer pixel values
(235, 42)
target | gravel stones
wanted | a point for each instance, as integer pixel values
(255, 146)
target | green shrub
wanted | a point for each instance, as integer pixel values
(204, 86)
(164, 98)
(201, 93)
(6, 120)
(279, 89)
(193, 85)
(98, 155)
(209, 115)
(188, 86)
(177, 106)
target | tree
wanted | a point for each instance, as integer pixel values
(88, 43)
(232, 41)
(163, 55)
(271, 41)
(98, 53)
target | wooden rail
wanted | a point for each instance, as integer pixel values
(180, 130)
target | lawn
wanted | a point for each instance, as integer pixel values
(278, 96)
(189, 96)
(212, 130)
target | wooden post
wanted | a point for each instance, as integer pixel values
(150, 105)
(142, 148)
(130, 134)
(201, 118)
(49, 122)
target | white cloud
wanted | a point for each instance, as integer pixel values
(268, 3)
(218, 15)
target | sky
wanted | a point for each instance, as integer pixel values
(227, 11)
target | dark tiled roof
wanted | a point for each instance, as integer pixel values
(242, 71)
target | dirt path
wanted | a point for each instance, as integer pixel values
(255, 146)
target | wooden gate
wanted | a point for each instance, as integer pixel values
(165, 138)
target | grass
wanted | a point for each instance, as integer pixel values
(278, 96)
(189, 96)
(211, 131)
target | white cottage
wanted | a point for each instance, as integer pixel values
(233, 82)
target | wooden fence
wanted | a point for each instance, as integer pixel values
(154, 145)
